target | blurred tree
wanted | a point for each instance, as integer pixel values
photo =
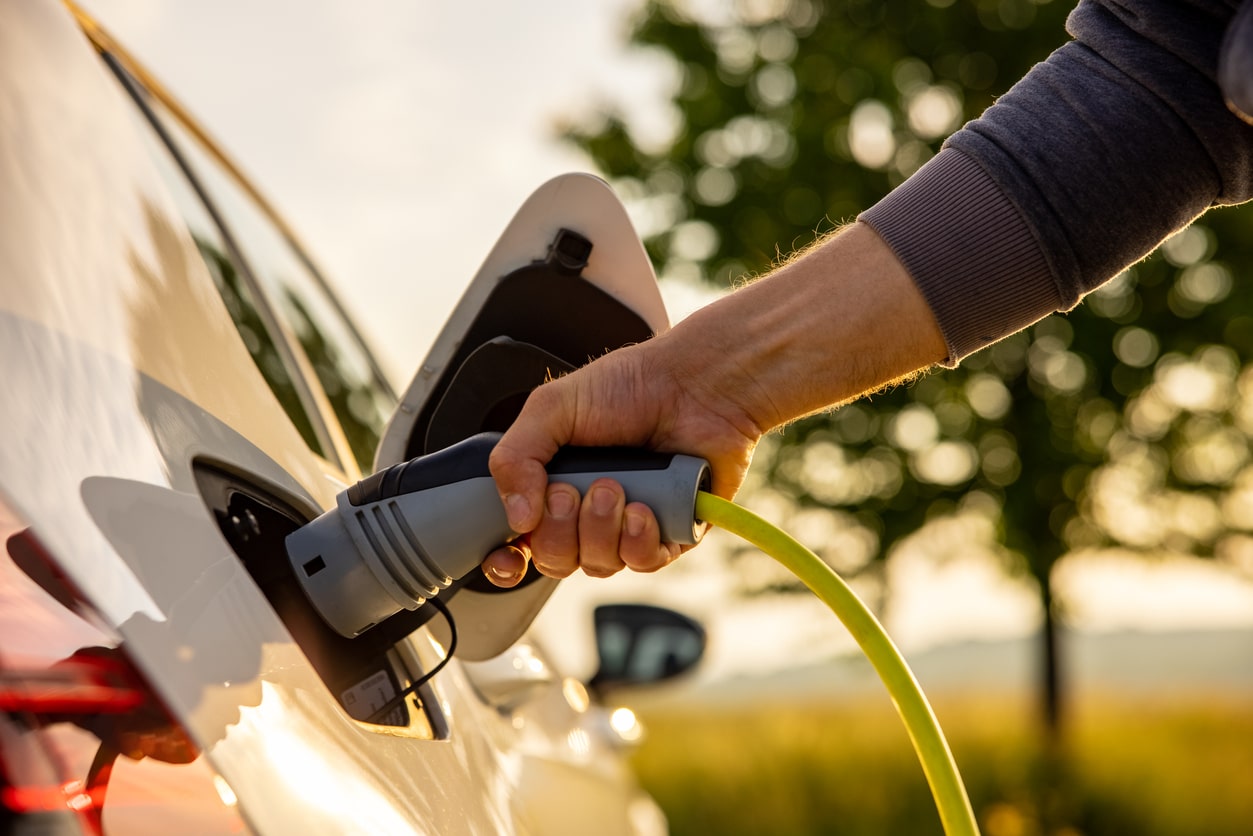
(358, 402)
(256, 336)
(1124, 423)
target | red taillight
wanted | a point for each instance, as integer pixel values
(71, 701)
(82, 684)
(25, 801)
(35, 790)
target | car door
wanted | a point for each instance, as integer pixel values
(182, 392)
(164, 427)
(530, 313)
(411, 770)
(568, 281)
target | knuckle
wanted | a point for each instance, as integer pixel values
(553, 569)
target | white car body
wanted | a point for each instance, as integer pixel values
(130, 386)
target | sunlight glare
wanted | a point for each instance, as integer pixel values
(1190, 386)
(626, 724)
(579, 742)
(715, 186)
(1136, 347)
(988, 396)
(947, 463)
(775, 85)
(934, 112)
(870, 136)
(1187, 246)
(1205, 283)
(914, 428)
(224, 791)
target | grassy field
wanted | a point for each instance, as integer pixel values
(1179, 765)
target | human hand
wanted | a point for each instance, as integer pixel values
(648, 395)
(842, 319)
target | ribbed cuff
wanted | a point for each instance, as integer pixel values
(969, 250)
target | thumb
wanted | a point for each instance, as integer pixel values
(518, 460)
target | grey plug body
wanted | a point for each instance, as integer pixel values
(407, 533)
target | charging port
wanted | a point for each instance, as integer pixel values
(362, 673)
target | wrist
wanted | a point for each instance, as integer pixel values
(842, 319)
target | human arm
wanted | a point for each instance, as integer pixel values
(1115, 142)
(842, 318)
(1118, 140)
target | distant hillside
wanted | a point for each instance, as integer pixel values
(1126, 662)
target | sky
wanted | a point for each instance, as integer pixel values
(398, 138)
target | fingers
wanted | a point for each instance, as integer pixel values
(555, 542)
(600, 528)
(517, 462)
(506, 566)
(629, 397)
(598, 533)
(640, 546)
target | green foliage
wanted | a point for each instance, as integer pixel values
(244, 312)
(1123, 422)
(797, 115)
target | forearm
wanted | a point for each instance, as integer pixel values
(1118, 140)
(841, 320)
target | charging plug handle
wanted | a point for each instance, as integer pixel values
(407, 532)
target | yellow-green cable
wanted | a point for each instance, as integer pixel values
(956, 813)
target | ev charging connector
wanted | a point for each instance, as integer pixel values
(406, 533)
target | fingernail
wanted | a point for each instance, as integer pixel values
(603, 501)
(560, 504)
(501, 573)
(518, 509)
(634, 523)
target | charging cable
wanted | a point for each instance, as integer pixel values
(924, 731)
(400, 537)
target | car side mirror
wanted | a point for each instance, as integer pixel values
(639, 644)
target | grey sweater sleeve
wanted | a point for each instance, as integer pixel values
(1116, 141)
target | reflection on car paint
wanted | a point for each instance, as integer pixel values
(115, 757)
(124, 368)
